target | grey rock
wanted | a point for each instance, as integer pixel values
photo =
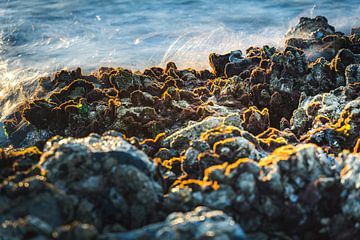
(110, 176)
(201, 223)
(352, 73)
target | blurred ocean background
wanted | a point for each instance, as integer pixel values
(38, 37)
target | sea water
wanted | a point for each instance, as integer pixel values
(38, 37)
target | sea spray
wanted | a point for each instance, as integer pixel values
(191, 49)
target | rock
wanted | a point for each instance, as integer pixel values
(350, 195)
(236, 68)
(218, 63)
(29, 198)
(317, 28)
(125, 80)
(198, 224)
(256, 121)
(355, 30)
(342, 59)
(24, 227)
(76, 231)
(194, 131)
(4, 141)
(352, 73)
(320, 78)
(108, 167)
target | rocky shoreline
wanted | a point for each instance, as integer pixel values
(264, 146)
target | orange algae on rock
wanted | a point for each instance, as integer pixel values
(357, 146)
(234, 165)
(280, 154)
(194, 183)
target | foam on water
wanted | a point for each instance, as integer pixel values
(38, 37)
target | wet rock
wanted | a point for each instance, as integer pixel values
(24, 227)
(352, 73)
(198, 224)
(236, 68)
(234, 148)
(124, 80)
(350, 194)
(75, 231)
(256, 121)
(107, 167)
(218, 63)
(320, 78)
(17, 161)
(194, 131)
(317, 28)
(316, 38)
(30, 197)
(342, 59)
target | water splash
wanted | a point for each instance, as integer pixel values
(192, 49)
(16, 86)
(313, 11)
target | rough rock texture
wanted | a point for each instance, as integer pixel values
(267, 143)
(102, 181)
(201, 223)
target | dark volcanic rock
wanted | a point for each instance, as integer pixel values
(201, 223)
(317, 27)
(112, 179)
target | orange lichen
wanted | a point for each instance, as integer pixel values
(114, 102)
(201, 91)
(201, 183)
(343, 124)
(157, 161)
(321, 120)
(272, 136)
(28, 151)
(215, 185)
(254, 110)
(156, 140)
(279, 154)
(268, 176)
(210, 169)
(313, 108)
(234, 165)
(168, 163)
(282, 154)
(223, 129)
(3, 154)
(357, 146)
(345, 170)
(223, 142)
(166, 96)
